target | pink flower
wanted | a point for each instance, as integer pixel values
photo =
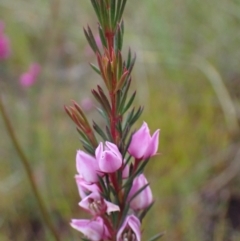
(30, 77)
(144, 198)
(94, 230)
(84, 188)
(143, 145)
(5, 49)
(109, 158)
(87, 167)
(96, 205)
(130, 229)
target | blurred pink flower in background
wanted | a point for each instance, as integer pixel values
(30, 77)
(87, 104)
(5, 49)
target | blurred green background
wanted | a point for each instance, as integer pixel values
(187, 76)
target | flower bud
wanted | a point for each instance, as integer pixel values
(143, 145)
(108, 157)
(130, 229)
(144, 198)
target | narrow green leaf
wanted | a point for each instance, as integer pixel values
(104, 187)
(124, 214)
(88, 148)
(83, 135)
(122, 9)
(96, 9)
(113, 191)
(90, 34)
(136, 116)
(139, 171)
(112, 13)
(132, 64)
(105, 105)
(124, 95)
(118, 10)
(114, 217)
(129, 58)
(104, 97)
(109, 74)
(109, 134)
(102, 36)
(121, 81)
(126, 132)
(129, 103)
(127, 186)
(91, 40)
(120, 67)
(128, 119)
(145, 211)
(104, 115)
(157, 236)
(118, 38)
(99, 131)
(104, 14)
(95, 68)
(118, 94)
(127, 161)
(141, 168)
(122, 27)
(138, 192)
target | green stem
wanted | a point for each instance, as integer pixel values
(29, 172)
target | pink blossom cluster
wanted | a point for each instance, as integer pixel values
(104, 165)
(5, 49)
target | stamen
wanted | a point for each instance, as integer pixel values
(129, 235)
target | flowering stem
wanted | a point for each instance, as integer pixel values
(110, 40)
(29, 172)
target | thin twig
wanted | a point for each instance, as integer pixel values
(29, 172)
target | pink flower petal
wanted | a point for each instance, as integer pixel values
(108, 157)
(153, 145)
(109, 162)
(84, 188)
(87, 166)
(93, 230)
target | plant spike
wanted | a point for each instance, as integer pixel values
(112, 168)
